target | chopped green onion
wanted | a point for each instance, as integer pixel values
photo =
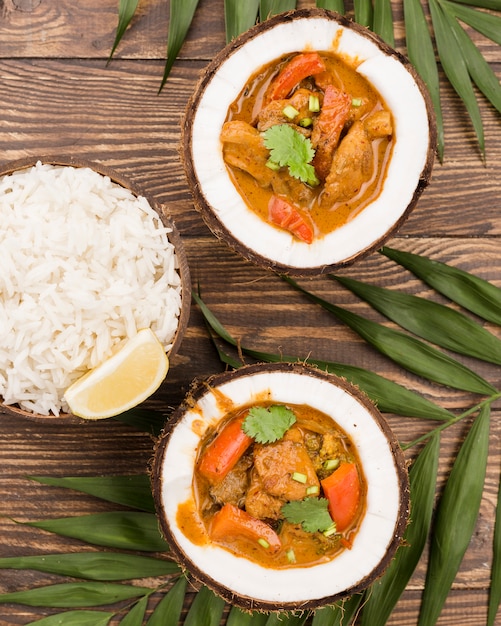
(314, 104)
(290, 112)
(291, 557)
(300, 478)
(313, 490)
(331, 530)
(272, 165)
(262, 542)
(356, 102)
(331, 464)
(305, 122)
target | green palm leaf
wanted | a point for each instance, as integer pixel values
(495, 588)
(75, 618)
(413, 355)
(286, 619)
(383, 21)
(332, 5)
(456, 516)
(181, 16)
(480, 71)
(205, 610)
(454, 65)
(268, 8)
(450, 329)
(134, 617)
(339, 614)
(126, 10)
(239, 16)
(67, 595)
(133, 491)
(104, 566)
(422, 55)
(237, 617)
(390, 397)
(384, 594)
(472, 293)
(364, 11)
(495, 5)
(168, 610)
(125, 530)
(485, 23)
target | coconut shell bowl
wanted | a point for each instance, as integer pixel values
(107, 262)
(308, 142)
(247, 482)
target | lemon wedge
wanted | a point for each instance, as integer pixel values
(121, 382)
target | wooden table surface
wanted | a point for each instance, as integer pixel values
(59, 96)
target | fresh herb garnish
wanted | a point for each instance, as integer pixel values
(311, 513)
(268, 424)
(290, 148)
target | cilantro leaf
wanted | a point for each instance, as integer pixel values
(311, 513)
(268, 424)
(290, 148)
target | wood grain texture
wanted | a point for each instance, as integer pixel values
(58, 96)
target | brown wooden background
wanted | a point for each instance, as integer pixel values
(58, 96)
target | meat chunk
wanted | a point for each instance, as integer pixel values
(273, 113)
(234, 485)
(261, 504)
(277, 463)
(244, 149)
(353, 162)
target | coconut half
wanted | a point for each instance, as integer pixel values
(245, 583)
(408, 173)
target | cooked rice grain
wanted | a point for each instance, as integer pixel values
(84, 265)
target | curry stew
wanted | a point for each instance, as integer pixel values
(247, 494)
(334, 162)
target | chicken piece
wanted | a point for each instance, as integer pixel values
(273, 113)
(234, 485)
(353, 162)
(379, 124)
(261, 504)
(276, 465)
(244, 149)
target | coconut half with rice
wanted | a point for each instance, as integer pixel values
(280, 487)
(88, 263)
(307, 142)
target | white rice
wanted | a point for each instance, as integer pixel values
(84, 265)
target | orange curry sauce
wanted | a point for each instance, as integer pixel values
(347, 183)
(263, 480)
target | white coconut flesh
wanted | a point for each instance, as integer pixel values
(392, 78)
(238, 579)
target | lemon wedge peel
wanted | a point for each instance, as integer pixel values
(121, 382)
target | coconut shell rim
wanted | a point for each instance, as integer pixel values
(174, 237)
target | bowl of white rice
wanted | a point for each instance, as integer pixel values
(86, 261)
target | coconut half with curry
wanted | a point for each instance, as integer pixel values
(307, 142)
(280, 486)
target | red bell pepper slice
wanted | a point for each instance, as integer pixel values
(286, 215)
(223, 452)
(230, 521)
(333, 116)
(299, 67)
(343, 491)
